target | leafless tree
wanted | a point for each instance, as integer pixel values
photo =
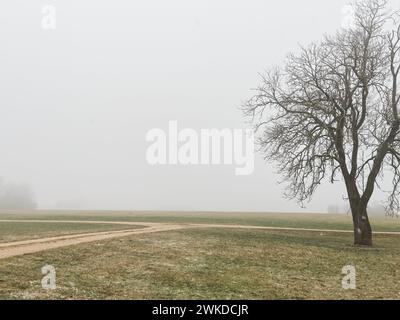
(331, 112)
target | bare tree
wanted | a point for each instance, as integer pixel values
(332, 113)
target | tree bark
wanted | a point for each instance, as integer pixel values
(361, 224)
(362, 227)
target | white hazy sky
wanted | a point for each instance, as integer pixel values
(77, 102)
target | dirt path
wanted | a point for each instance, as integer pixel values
(16, 248)
(228, 226)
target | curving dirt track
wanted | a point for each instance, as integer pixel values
(17, 248)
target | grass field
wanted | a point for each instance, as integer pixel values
(292, 220)
(205, 263)
(12, 231)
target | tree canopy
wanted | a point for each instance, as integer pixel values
(331, 112)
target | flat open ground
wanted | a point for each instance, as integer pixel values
(152, 255)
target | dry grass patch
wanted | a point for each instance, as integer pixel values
(209, 264)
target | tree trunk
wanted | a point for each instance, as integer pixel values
(362, 227)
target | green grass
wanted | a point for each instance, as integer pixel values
(15, 231)
(204, 263)
(294, 220)
(209, 264)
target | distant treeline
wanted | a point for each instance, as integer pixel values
(16, 196)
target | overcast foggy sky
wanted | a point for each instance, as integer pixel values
(77, 102)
